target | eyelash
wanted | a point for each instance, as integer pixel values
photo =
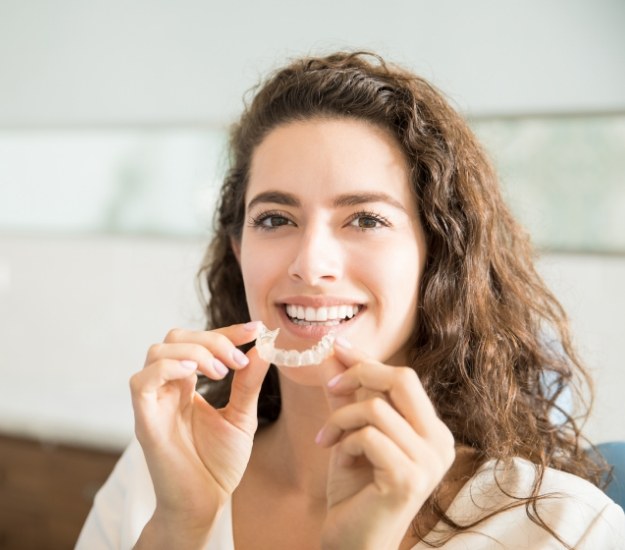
(378, 218)
(259, 220)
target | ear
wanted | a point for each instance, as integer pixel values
(236, 248)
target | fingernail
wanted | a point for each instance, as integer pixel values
(334, 381)
(191, 365)
(342, 342)
(219, 367)
(319, 436)
(252, 325)
(239, 357)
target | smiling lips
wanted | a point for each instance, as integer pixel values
(326, 316)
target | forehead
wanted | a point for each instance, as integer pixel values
(330, 156)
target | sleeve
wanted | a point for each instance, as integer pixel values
(607, 531)
(122, 506)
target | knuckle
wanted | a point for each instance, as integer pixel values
(155, 350)
(376, 406)
(359, 369)
(134, 383)
(219, 340)
(448, 438)
(419, 484)
(395, 478)
(407, 482)
(159, 366)
(405, 376)
(447, 445)
(368, 434)
(174, 335)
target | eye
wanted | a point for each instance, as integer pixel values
(269, 220)
(368, 220)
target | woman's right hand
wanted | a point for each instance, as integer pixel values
(196, 454)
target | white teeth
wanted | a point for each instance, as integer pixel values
(321, 314)
(292, 358)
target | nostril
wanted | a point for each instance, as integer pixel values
(318, 259)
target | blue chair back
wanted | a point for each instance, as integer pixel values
(614, 454)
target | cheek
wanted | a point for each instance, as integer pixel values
(251, 276)
(395, 275)
(259, 268)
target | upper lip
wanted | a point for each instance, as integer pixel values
(320, 301)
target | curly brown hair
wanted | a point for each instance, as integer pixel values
(491, 344)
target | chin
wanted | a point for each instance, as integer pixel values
(312, 376)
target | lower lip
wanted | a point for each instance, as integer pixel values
(315, 331)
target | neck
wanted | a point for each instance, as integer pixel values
(287, 447)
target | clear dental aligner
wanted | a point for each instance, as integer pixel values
(265, 344)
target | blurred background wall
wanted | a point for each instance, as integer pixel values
(112, 121)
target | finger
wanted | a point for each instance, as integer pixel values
(373, 445)
(208, 364)
(335, 366)
(238, 334)
(395, 475)
(157, 399)
(245, 389)
(374, 412)
(158, 374)
(221, 343)
(242, 333)
(332, 369)
(401, 384)
(149, 384)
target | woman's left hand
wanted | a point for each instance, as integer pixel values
(389, 452)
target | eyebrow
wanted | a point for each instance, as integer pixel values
(276, 197)
(347, 199)
(354, 199)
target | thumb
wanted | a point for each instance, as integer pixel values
(245, 389)
(341, 360)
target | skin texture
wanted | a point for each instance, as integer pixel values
(358, 447)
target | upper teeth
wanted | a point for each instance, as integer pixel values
(321, 313)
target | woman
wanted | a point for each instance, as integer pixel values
(359, 204)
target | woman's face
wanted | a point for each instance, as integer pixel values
(332, 239)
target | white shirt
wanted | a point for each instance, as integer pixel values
(579, 512)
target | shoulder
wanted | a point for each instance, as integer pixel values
(122, 506)
(125, 504)
(580, 513)
(518, 477)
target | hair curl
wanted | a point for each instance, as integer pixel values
(491, 344)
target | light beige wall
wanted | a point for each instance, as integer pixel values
(158, 61)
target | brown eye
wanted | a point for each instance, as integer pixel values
(367, 222)
(274, 221)
(269, 220)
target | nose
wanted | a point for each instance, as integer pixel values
(318, 257)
